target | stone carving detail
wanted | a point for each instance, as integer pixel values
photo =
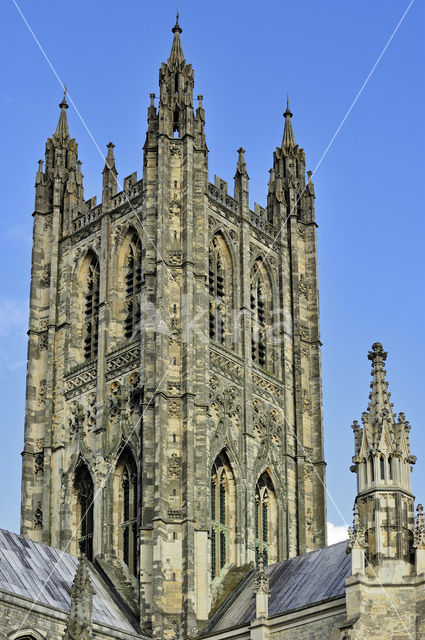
(175, 409)
(309, 519)
(42, 391)
(45, 278)
(224, 405)
(174, 514)
(274, 392)
(175, 208)
(301, 230)
(76, 419)
(419, 531)
(91, 410)
(175, 256)
(305, 350)
(302, 286)
(174, 466)
(44, 323)
(306, 402)
(225, 366)
(118, 363)
(175, 150)
(43, 340)
(39, 463)
(48, 222)
(309, 471)
(356, 533)
(38, 517)
(174, 387)
(268, 430)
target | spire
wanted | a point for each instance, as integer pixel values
(288, 140)
(62, 131)
(176, 55)
(79, 624)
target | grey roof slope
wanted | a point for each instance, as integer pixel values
(294, 583)
(45, 575)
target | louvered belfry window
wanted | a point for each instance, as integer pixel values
(133, 285)
(91, 310)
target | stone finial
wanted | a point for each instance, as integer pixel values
(176, 55)
(262, 590)
(241, 164)
(377, 355)
(79, 624)
(109, 187)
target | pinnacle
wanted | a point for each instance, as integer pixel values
(288, 141)
(176, 55)
(62, 131)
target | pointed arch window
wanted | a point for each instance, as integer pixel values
(222, 514)
(126, 486)
(91, 310)
(265, 518)
(220, 292)
(83, 485)
(133, 286)
(261, 311)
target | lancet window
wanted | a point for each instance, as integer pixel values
(133, 284)
(261, 312)
(91, 310)
(265, 518)
(222, 514)
(126, 486)
(83, 486)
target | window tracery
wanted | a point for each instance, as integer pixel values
(261, 312)
(126, 486)
(265, 516)
(222, 514)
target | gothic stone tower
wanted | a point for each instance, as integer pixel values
(173, 418)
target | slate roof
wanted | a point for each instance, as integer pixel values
(294, 584)
(45, 575)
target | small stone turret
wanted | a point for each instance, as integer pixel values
(79, 625)
(383, 462)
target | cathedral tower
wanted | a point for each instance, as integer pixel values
(174, 419)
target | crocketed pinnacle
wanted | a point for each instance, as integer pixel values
(176, 55)
(110, 159)
(62, 131)
(379, 409)
(79, 625)
(288, 141)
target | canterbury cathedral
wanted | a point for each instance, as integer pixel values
(173, 473)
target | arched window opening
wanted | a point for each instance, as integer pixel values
(222, 516)
(126, 486)
(133, 286)
(219, 286)
(382, 467)
(390, 468)
(176, 121)
(83, 485)
(371, 469)
(261, 311)
(265, 510)
(91, 310)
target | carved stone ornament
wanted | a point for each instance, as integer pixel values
(91, 410)
(302, 286)
(76, 418)
(356, 533)
(48, 222)
(39, 463)
(38, 517)
(42, 391)
(309, 519)
(174, 466)
(44, 323)
(43, 340)
(45, 277)
(261, 578)
(419, 531)
(175, 150)
(175, 256)
(174, 409)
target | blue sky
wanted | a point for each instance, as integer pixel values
(370, 200)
